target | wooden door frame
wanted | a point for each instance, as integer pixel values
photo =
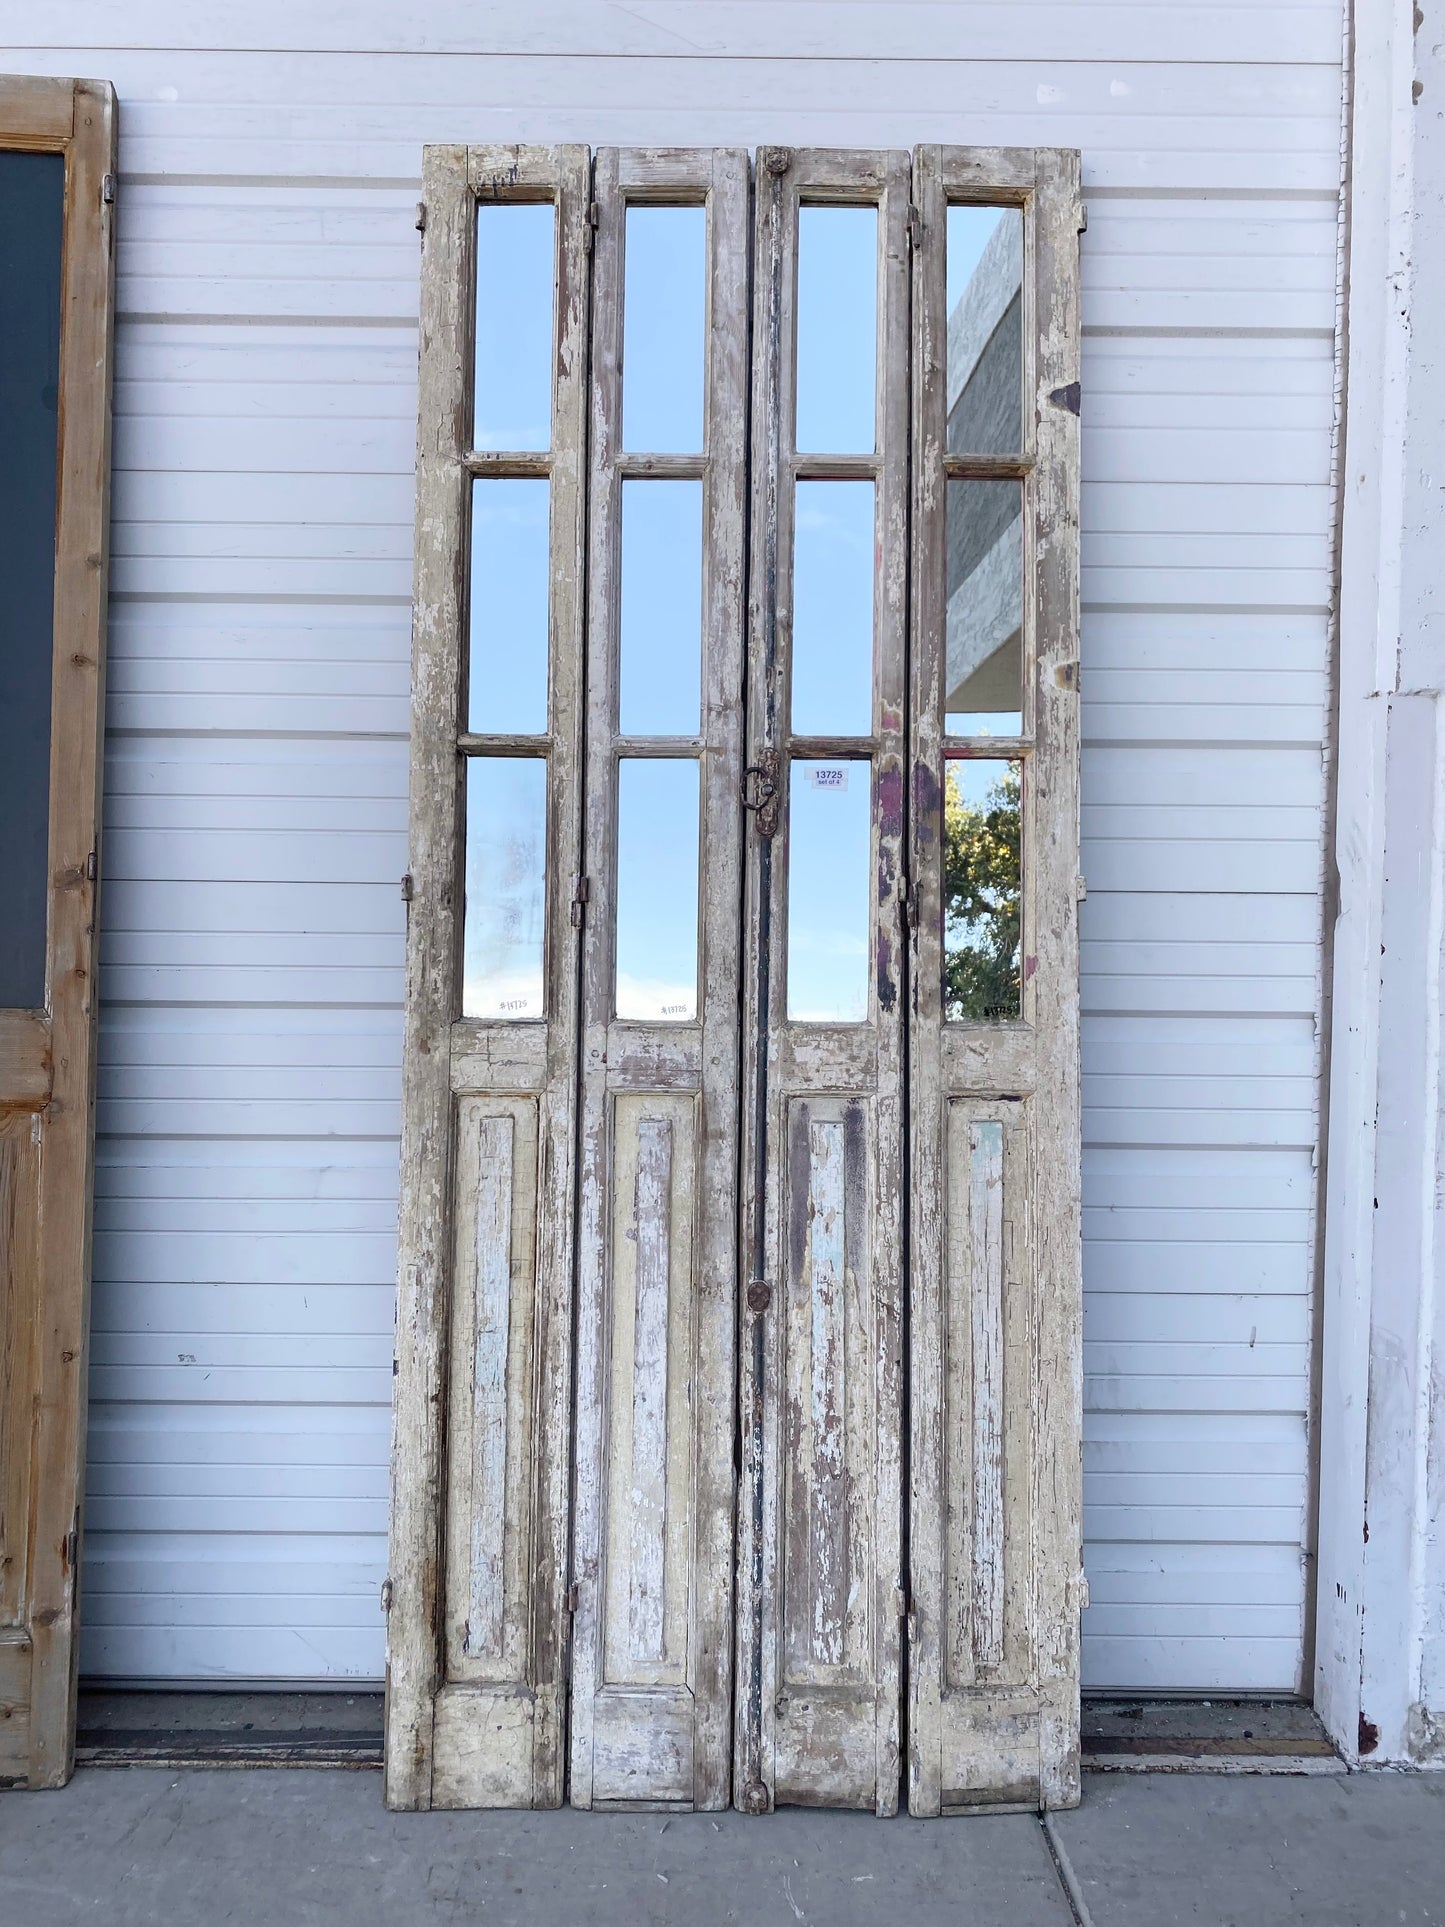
(48, 1055)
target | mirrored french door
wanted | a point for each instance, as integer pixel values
(737, 1415)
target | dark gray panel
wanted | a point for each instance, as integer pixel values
(32, 221)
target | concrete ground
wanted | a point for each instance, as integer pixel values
(293, 1847)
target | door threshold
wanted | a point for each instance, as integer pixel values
(1236, 1735)
(228, 1729)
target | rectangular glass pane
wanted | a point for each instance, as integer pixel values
(515, 275)
(983, 672)
(829, 819)
(833, 609)
(657, 859)
(505, 915)
(663, 326)
(985, 330)
(837, 329)
(982, 888)
(511, 573)
(661, 622)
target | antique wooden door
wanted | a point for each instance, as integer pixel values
(994, 1352)
(57, 161)
(477, 1633)
(820, 1555)
(657, 1248)
(738, 1329)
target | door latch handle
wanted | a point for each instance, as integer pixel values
(762, 793)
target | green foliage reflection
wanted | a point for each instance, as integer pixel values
(981, 896)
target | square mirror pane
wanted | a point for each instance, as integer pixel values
(983, 669)
(833, 546)
(515, 274)
(505, 913)
(507, 614)
(663, 330)
(982, 889)
(657, 862)
(837, 330)
(829, 836)
(985, 330)
(661, 618)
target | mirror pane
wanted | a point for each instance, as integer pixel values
(983, 670)
(657, 859)
(837, 330)
(985, 330)
(663, 329)
(515, 273)
(982, 888)
(505, 915)
(507, 617)
(833, 609)
(661, 621)
(829, 823)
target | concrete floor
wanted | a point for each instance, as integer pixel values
(295, 1847)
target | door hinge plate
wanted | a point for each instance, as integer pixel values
(581, 894)
(915, 228)
(107, 190)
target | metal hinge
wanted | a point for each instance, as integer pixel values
(107, 190)
(92, 868)
(1066, 675)
(406, 888)
(573, 1597)
(386, 1595)
(1084, 218)
(762, 793)
(594, 216)
(915, 228)
(910, 905)
(1081, 889)
(421, 217)
(581, 894)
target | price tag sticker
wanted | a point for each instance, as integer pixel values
(828, 776)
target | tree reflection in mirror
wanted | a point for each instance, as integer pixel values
(982, 896)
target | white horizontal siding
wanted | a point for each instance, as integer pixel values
(256, 799)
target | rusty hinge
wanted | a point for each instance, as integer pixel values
(573, 1597)
(915, 228)
(386, 1595)
(1066, 675)
(581, 894)
(594, 216)
(421, 217)
(762, 793)
(406, 888)
(760, 1296)
(910, 905)
(107, 190)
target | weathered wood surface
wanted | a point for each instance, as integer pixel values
(47, 1059)
(996, 1354)
(657, 1259)
(814, 1729)
(475, 1712)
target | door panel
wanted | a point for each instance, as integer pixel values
(657, 1256)
(820, 1553)
(994, 1374)
(477, 1628)
(57, 147)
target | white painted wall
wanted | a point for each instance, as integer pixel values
(1381, 1646)
(270, 158)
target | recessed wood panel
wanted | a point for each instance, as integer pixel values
(491, 1401)
(829, 1410)
(649, 1449)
